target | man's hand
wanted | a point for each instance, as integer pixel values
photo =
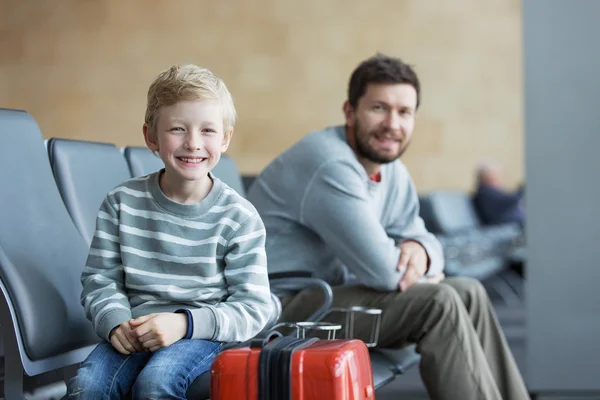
(155, 331)
(413, 261)
(124, 340)
(435, 278)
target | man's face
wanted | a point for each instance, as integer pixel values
(383, 121)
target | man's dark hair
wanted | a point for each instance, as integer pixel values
(381, 69)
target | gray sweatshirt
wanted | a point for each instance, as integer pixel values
(323, 213)
(151, 254)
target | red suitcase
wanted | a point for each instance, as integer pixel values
(288, 368)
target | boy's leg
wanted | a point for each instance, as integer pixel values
(498, 353)
(105, 374)
(172, 369)
(453, 363)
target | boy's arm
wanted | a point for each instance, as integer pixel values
(103, 296)
(248, 308)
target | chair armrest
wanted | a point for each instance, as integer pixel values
(290, 274)
(285, 286)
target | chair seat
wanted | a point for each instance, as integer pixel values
(383, 370)
(399, 360)
(200, 388)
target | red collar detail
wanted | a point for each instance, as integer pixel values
(376, 177)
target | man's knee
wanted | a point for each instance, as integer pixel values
(444, 296)
(468, 289)
(438, 306)
(435, 298)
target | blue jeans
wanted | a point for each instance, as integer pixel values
(167, 373)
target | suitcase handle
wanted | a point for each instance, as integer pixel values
(264, 337)
(304, 326)
(260, 340)
(351, 312)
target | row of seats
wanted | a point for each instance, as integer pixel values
(452, 217)
(50, 200)
(471, 248)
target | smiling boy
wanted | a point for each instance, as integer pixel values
(177, 266)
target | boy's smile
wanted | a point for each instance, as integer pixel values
(191, 161)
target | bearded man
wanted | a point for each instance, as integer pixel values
(340, 202)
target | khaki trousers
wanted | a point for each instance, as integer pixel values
(464, 354)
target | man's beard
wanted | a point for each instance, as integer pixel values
(365, 150)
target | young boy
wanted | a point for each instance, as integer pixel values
(177, 265)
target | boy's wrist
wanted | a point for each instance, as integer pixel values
(112, 331)
(111, 320)
(189, 327)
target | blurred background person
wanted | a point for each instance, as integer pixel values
(495, 203)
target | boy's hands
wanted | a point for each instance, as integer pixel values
(124, 339)
(154, 331)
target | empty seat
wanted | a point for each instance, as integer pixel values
(449, 212)
(41, 258)
(141, 161)
(85, 172)
(227, 171)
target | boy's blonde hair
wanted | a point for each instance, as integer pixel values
(188, 82)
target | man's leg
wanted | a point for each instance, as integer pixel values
(453, 364)
(501, 361)
(172, 369)
(105, 374)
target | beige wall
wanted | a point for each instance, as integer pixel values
(82, 69)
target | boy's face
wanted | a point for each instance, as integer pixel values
(189, 138)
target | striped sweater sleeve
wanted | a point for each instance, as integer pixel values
(248, 307)
(104, 298)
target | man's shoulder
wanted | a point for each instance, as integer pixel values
(327, 150)
(331, 139)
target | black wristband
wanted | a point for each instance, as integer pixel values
(190, 322)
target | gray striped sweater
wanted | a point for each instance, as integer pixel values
(151, 254)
